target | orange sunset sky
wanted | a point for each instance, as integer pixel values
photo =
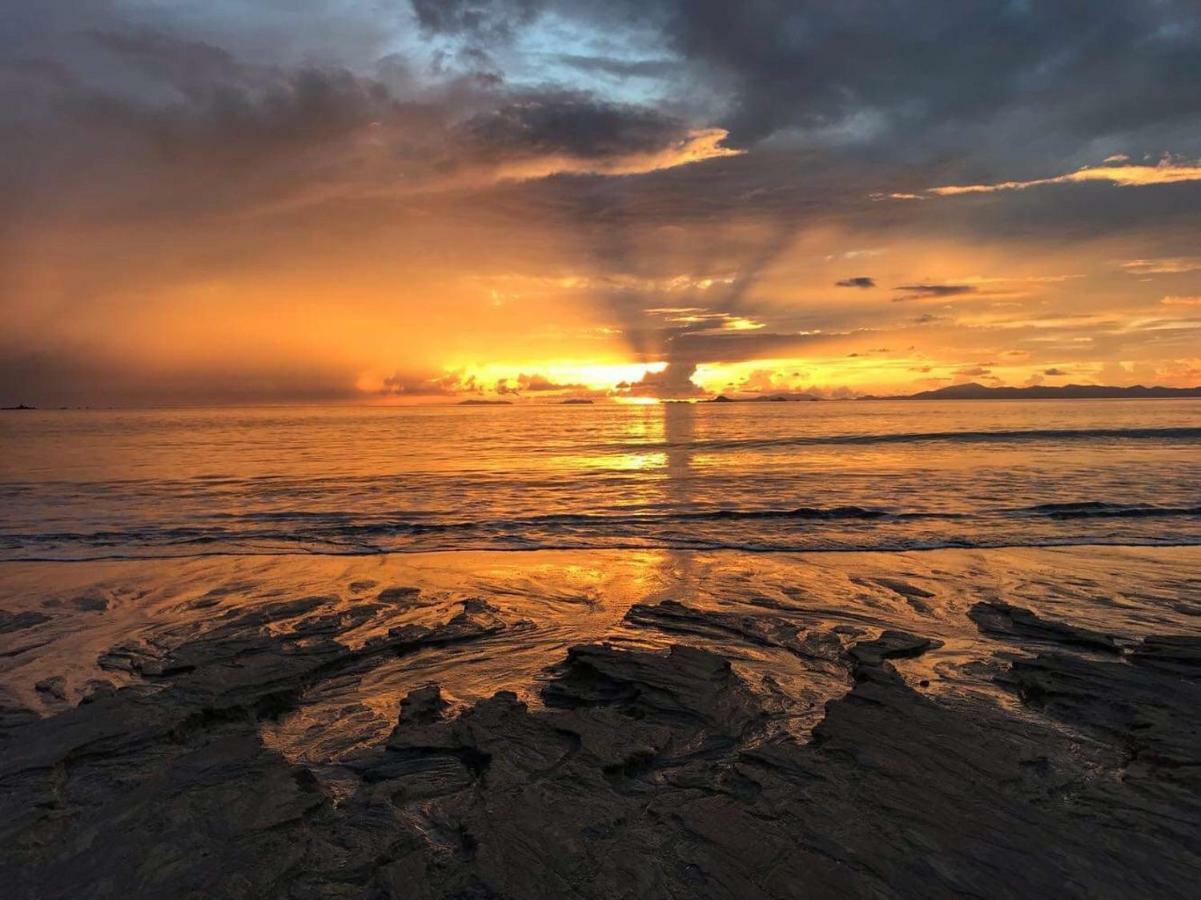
(365, 202)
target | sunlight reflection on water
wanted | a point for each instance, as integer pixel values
(835, 475)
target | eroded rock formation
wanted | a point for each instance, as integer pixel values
(640, 773)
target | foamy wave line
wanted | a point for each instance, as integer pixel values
(693, 546)
(317, 528)
(1093, 509)
(1003, 436)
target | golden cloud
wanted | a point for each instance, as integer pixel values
(698, 146)
(1114, 170)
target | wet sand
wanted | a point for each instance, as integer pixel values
(604, 724)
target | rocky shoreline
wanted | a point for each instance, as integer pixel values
(637, 773)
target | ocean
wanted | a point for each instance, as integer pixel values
(838, 475)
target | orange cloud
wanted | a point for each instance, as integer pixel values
(699, 145)
(1114, 170)
(1170, 266)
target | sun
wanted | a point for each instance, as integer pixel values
(637, 401)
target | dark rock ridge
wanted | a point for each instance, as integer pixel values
(10, 621)
(1003, 620)
(642, 774)
(768, 631)
(1147, 705)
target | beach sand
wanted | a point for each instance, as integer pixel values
(604, 724)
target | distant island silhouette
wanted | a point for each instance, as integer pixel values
(15, 408)
(976, 391)
(485, 403)
(766, 398)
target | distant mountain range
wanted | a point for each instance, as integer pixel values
(974, 391)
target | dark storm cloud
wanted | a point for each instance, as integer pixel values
(623, 68)
(485, 20)
(861, 281)
(224, 133)
(561, 122)
(247, 114)
(1071, 212)
(936, 83)
(168, 103)
(1097, 67)
(918, 93)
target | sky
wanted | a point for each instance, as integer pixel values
(243, 201)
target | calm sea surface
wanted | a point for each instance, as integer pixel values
(755, 476)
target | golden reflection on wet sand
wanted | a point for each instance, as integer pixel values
(575, 597)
